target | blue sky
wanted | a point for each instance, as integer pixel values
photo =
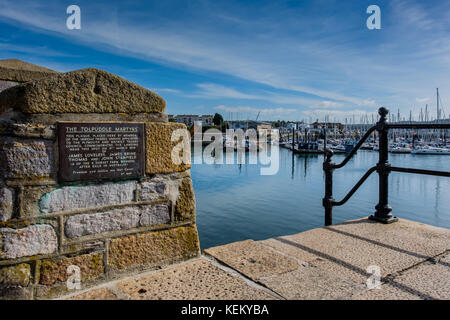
(289, 60)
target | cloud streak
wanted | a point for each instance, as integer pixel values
(314, 59)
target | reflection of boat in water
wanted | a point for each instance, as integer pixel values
(431, 150)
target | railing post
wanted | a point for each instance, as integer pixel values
(383, 209)
(328, 167)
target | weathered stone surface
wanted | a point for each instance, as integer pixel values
(429, 281)
(349, 248)
(91, 266)
(92, 246)
(159, 148)
(154, 215)
(29, 241)
(154, 248)
(6, 203)
(194, 280)
(309, 283)
(81, 91)
(48, 119)
(15, 293)
(152, 190)
(385, 292)
(96, 294)
(7, 84)
(89, 196)
(26, 158)
(185, 205)
(166, 186)
(20, 71)
(30, 200)
(18, 275)
(117, 219)
(26, 130)
(253, 259)
(94, 223)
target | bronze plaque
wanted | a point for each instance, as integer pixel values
(92, 151)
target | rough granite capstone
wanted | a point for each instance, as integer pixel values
(117, 219)
(29, 241)
(26, 158)
(81, 91)
(88, 196)
(20, 71)
(6, 203)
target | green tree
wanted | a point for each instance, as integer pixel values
(218, 119)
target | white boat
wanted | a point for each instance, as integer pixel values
(431, 150)
(400, 148)
(339, 147)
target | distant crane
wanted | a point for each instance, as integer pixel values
(257, 116)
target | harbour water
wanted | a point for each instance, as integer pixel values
(235, 202)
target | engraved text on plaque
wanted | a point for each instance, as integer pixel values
(91, 151)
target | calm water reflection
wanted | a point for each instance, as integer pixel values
(234, 202)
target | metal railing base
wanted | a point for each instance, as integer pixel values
(383, 209)
(385, 220)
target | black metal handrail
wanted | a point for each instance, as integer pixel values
(383, 211)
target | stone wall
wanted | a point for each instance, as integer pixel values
(108, 228)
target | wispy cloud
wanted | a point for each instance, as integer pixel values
(317, 58)
(34, 50)
(338, 115)
(166, 90)
(255, 110)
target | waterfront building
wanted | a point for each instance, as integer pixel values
(191, 119)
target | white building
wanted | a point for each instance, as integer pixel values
(190, 119)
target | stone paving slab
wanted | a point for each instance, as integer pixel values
(97, 294)
(253, 259)
(195, 279)
(310, 283)
(429, 280)
(324, 263)
(348, 249)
